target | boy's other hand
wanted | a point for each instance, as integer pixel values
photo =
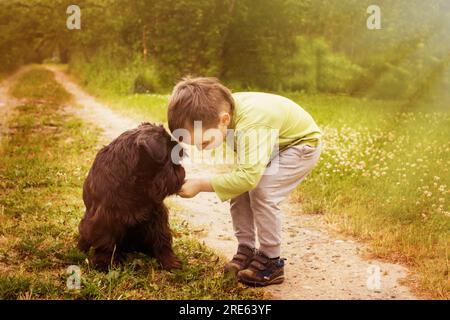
(192, 187)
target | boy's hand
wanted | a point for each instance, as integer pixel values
(193, 186)
(189, 189)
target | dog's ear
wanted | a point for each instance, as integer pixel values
(154, 143)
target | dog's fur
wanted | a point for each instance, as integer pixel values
(123, 195)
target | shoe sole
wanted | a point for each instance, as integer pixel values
(277, 280)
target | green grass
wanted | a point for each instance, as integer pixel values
(384, 177)
(146, 107)
(374, 180)
(37, 85)
(45, 158)
(114, 87)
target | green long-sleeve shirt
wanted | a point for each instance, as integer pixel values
(263, 123)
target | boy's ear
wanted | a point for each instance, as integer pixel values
(224, 118)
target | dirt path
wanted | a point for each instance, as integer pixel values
(7, 102)
(319, 265)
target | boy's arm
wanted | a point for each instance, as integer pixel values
(193, 186)
(255, 146)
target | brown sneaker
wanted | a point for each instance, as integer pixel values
(262, 271)
(240, 260)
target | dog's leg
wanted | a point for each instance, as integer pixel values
(101, 260)
(83, 243)
(167, 259)
(106, 256)
(162, 250)
(157, 242)
(158, 238)
(104, 236)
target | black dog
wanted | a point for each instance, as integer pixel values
(124, 194)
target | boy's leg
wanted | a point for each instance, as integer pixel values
(244, 229)
(293, 165)
(242, 217)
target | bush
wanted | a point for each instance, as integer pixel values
(301, 69)
(338, 74)
(315, 67)
(394, 83)
(112, 72)
(147, 81)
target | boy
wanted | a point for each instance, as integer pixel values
(267, 169)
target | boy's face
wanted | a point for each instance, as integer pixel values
(210, 137)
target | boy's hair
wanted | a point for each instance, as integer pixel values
(197, 99)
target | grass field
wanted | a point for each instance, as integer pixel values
(383, 176)
(45, 157)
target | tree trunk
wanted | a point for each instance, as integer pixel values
(225, 37)
(144, 44)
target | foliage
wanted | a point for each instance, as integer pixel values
(313, 46)
(315, 68)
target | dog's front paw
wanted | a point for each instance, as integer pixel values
(83, 245)
(171, 263)
(101, 262)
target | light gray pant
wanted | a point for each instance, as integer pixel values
(260, 206)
